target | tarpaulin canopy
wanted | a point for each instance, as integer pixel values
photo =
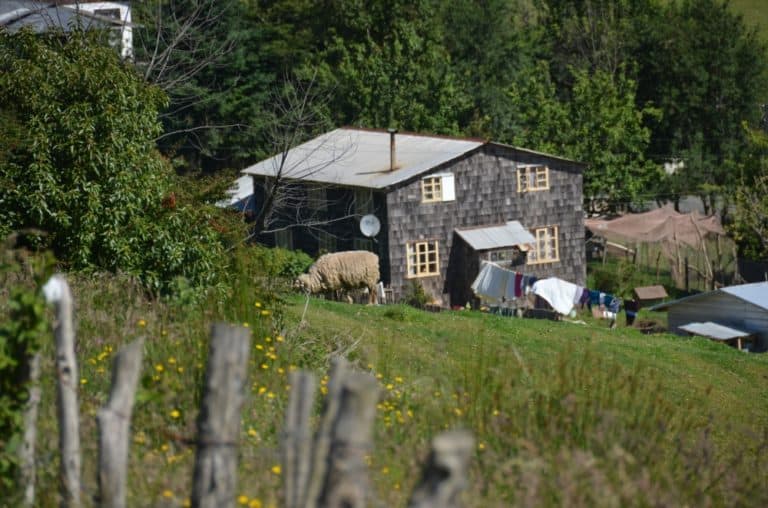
(660, 225)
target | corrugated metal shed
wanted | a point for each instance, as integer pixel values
(755, 293)
(496, 237)
(713, 331)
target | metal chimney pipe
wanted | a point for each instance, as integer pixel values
(392, 155)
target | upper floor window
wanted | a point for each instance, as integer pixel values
(422, 259)
(316, 197)
(532, 178)
(438, 187)
(546, 248)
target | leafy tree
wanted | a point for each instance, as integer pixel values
(387, 67)
(85, 170)
(750, 225)
(599, 124)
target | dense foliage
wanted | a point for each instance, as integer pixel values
(79, 163)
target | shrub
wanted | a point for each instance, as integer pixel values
(81, 165)
(416, 296)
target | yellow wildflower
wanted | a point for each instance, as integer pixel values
(481, 446)
(279, 338)
(242, 499)
(255, 503)
(257, 304)
(175, 414)
(245, 324)
(265, 312)
(172, 361)
(262, 389)
(186, 503)
(167, 494)
(276, 469)
(83, 381)
(180, 370)
(252, 432)
(264, 366)
(159, 367)
(142, 323)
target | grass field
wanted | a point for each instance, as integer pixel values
(563, 413)
(755, 13)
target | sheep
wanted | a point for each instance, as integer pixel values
(342, 271)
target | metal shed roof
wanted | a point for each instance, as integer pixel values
(496, 237)
(713, 331)
(755, 293)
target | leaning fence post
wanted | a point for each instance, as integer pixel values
(27, 453)
(57, 291)
(297, 440)
(218, 423)
(322, 444)
(445, 473)
(346, 481)
(114, 422)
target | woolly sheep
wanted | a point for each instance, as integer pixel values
(342, 271)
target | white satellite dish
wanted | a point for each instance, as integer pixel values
(370, 225)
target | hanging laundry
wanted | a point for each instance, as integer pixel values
(558, 293)
(518, 284)
(491, 282)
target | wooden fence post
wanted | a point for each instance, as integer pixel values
(297, 440)
(57, 291)
(445, 473)
(218, 423)
(114, 422)
(346, 481)
(322, 444)
(27, 453)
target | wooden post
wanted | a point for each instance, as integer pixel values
(297, 440)
(27, 452)
(218, 423)
(445, 473)
(322, 445)
(57, 291)
(114, 422)
(346, 481)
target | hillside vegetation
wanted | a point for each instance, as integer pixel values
(564, 413)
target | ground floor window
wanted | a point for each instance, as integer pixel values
(546, 248)
(422, 259)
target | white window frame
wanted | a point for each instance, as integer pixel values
(546, 248)
(532, 178)
(422, 259)
(438, 187)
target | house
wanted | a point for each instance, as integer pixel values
(729, 314)
(40, 16)
(440, 202)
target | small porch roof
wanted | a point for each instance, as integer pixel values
(496, 237)
(714, 331)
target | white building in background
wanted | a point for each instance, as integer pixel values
(64, 14)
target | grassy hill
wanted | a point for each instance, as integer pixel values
(755, 13)
(564, 413)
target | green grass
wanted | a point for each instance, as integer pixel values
(563, 413)
(755, 14)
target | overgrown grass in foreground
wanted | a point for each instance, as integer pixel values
(564, 414)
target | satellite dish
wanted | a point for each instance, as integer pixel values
(370, 225)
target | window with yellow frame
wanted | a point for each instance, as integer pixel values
(532, 178)
(422, 259)
(431, 189)
(546, 248)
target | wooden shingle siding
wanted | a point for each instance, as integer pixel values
(486, 194)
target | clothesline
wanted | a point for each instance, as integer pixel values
(498, 284)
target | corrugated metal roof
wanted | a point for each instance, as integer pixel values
(361, 158)
(496, 237)
(755, 293)
(713, 331)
